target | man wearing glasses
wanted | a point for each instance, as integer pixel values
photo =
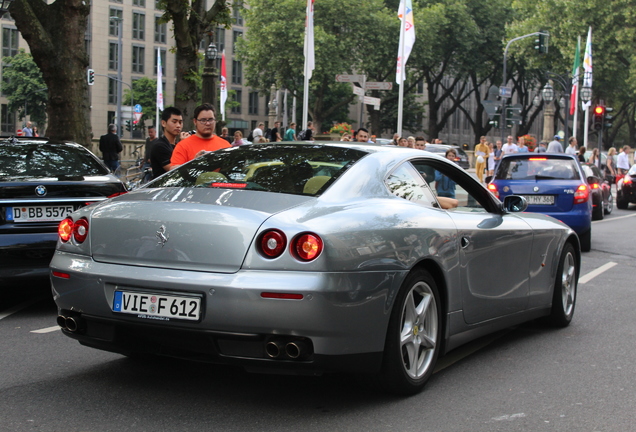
(204, 140)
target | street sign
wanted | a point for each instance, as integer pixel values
(138, 116)
(351, 78)
(374, 85)
(492, 107)
(357, 90)
(505, 91)
(372, 101)
(138, 108)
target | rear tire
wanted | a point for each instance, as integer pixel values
(565, 286)
(414, 336)
(586, 240)
(597, 212)
(622, 204)
(610, 204)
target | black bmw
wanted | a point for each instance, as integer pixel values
(42, 182)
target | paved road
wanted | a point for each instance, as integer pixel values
(530, 378)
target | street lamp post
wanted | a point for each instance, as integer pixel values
(120, 30)
(210, 74)
(586, 96)
(4, 7)
(549, 94)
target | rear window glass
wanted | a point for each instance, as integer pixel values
(537, 168)
(47, 160)
(293, 169)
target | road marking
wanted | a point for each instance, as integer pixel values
(591, 275)
(46, 330)
(17, 308)
(614, 218)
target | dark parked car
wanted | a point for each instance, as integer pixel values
(41, 183)
(626, 189)
(553, 184)
(440, 149)
(602, 199)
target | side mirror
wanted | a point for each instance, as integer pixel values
(515, 203)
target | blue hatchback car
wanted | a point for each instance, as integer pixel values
(553, 184)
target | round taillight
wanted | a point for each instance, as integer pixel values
(273, 243)
(80, 230)
(307, 246)
(65, 229)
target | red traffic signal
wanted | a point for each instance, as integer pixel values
(599, 110)
(599, 115)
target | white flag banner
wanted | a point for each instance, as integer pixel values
(407, 39)
(223, 86)
(159, 82)
(310, 60)
(587, 66)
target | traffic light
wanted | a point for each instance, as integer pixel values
(607, 120)
(599, 117)
(513, 115)
(541, 42)
(128, 125)
(90, 76)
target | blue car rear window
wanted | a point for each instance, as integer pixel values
(284, 168)
(537, 168)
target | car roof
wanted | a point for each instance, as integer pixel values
(540, 155)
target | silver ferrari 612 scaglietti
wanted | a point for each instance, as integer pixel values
(310, 258)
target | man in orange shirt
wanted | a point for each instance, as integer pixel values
(205, 140)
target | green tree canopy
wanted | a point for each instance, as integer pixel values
(24, 87)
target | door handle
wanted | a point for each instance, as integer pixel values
(465, 241)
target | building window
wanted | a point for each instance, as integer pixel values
(237, 35)
(113, 55)
(112, 90)
(140, 3)
(138, 57)
(252, 107)
(254, 124)
(163, 61)
(238, 95)
(8, 120)
(139, 26)
(237, 72)
(160, 31)
(110, 117)
(113, 25)
(236, 12)
(9, 42)
(116, 1)
(420, 87)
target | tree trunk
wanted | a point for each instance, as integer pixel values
(56, 37)
(191, 21)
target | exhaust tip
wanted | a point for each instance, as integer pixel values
(73, 324)
(61, 321)
(273, 349)
(294, 349)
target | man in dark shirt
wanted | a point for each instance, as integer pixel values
(172, 123)
(110, 146)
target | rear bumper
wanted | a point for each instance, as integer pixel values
(579, 219)
(341, 316)
(26, 254)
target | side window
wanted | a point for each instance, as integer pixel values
(450, 182)
(406, 183)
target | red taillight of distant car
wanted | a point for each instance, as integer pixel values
(627, 180)
(80, 230)
(272, 243)
(307, 247)
(65, 229)
(594, 186)
(492, 188)
(582, 194)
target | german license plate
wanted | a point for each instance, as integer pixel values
(157, 305)
(40, 213)
(540, 199)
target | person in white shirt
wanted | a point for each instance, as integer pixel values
(555, 146)
(509, 147)
(623, 161)
(258, 132)
(573, 147)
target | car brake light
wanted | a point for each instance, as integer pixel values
(65, 229)
(492, 188)
(307, 247)
(116, 194)
(229, 185)
(538, 158)
(594, 186)
(80, 230)
(272, 243)
(627, 180)
(582, 194)
(282, 296)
